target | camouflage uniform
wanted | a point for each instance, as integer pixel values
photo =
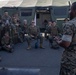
(11, 33)
(0, 35)
(5, 41)
(25, 28)
(47, 31)
(0, 31)
(17, 32)
(36, 33)
(6, 19)
(53, 31)
(68, 63)
(6, 23)
(10, 29)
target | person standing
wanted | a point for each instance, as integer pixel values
(68, 42)
(0, 33)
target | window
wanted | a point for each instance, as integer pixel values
(26, 12)
(60, 11)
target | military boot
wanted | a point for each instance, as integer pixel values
(29, 47)
(41, 46)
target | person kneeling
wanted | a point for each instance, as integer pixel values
(6, 42)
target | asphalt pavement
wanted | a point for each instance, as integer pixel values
(47, 60)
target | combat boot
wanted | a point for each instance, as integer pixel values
(29, 47)
(41, 46)
(11, 50)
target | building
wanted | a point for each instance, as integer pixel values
(39, 10)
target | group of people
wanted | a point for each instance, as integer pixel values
(13, 30)
(68, 42)
(51, 31)
(10, 31)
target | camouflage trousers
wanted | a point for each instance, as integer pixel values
(29, 38)
(46, 34)
(68, 63)
(52, 42)
(17, 38)
(6, 48)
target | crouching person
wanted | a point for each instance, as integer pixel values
(34, 32)
(6, 42)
